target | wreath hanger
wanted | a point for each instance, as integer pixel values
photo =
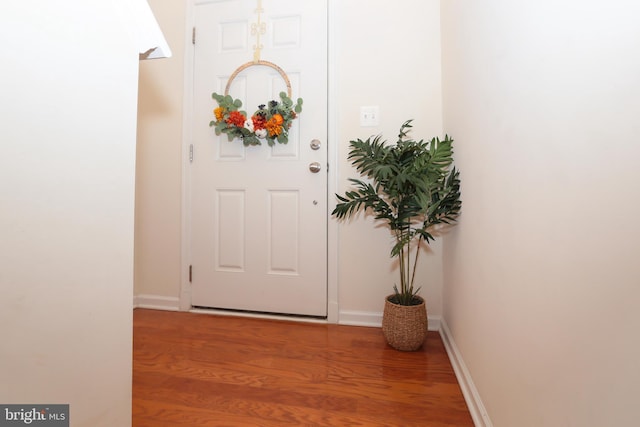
(263, 63)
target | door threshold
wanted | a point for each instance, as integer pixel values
(258, 314)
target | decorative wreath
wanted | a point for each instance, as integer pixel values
(271, 121)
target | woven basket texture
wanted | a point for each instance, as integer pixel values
(404, 326)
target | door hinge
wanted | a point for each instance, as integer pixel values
(193, 35)
(190, 273)
(191, 153)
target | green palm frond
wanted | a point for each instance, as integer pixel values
(410, 186)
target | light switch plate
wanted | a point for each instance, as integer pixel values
(370, 115)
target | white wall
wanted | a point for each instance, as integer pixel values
(541, 277)
(67, 154)
(385, 55)
(159, 160)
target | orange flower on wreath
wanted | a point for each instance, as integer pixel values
(236, 118)
(259, 122)
(219, 113)
(278, 118)
(273, 127)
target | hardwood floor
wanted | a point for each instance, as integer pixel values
(203, 370)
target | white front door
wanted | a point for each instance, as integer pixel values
(258, 227)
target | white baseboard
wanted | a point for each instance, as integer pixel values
(374, 319)
(346, 317)
(156, 302)
(469, 390)
(360, 318)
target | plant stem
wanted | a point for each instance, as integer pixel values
(406, 254)
(415, 262)
(402, 267)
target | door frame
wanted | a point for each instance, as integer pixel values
(332, 159)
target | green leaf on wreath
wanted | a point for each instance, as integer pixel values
(251, 140)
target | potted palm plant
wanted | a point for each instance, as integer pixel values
(411, 188)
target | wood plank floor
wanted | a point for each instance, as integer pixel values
(204, 370)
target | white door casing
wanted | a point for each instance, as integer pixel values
(258, 226)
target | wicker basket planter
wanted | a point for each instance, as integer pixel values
(404, 326)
